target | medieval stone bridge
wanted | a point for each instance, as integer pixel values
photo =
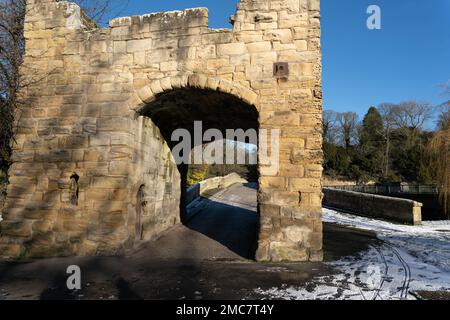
(92, 168)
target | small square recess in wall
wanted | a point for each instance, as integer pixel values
(281, 69)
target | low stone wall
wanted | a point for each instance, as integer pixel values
(374, 206)
(197, 189)
(431, 208)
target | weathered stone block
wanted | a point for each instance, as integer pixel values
(10, 251)
(120, 46)
(231, 49)
(280, 251)
(109, 182)
(255, 47)
(20, 229)
(139, 45)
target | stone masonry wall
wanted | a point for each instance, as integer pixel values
(86, 86)
(374, 206)
(155, 170)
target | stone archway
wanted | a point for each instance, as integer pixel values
(196, 109)
(201, 81)
(80, 120)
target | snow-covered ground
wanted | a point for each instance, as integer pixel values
(406, 260)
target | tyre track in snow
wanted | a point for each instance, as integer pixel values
(385, 275)
(385, 251)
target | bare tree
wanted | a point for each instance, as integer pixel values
(329, 125)
(12, 44)
(348, 127)
(444, 117)
(443, 122)
(411, 114)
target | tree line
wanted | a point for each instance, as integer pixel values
(390, 144)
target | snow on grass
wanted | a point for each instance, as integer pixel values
(429, 243)
(408, 259)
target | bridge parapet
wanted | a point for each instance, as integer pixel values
(198, 189)
(374, 206)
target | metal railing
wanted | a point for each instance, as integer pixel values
(388, 189)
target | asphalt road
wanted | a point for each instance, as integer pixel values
(230, 218)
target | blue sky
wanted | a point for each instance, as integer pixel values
(408, 59)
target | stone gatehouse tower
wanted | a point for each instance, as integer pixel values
(92, 170)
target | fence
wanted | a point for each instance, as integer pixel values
(388, 189)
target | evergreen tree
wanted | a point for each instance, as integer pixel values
(371, 144)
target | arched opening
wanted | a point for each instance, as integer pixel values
(203, 116)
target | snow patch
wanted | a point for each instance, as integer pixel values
(408, 259)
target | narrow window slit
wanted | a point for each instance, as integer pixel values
(74, 189)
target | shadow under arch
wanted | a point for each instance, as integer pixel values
(180, 106)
